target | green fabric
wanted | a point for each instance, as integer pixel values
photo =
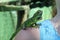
(46, 12)
(7, 26)
(14, 16)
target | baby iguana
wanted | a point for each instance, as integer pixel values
(29, 23)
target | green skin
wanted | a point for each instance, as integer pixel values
(29, 23)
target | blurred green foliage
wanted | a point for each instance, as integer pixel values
(2, 1)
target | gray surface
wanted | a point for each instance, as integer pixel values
(56, 19)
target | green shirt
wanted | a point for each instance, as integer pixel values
(8, 22)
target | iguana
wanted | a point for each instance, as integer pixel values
(29, 23)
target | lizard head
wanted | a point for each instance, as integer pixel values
(38, 15)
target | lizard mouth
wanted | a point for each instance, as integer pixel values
(39, 18)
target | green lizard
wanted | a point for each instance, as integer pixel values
(29, 23)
